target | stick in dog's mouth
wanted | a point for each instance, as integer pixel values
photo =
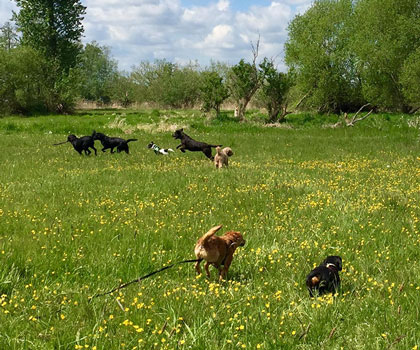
(61, 143)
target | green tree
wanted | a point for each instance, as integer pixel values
(318, 50)
(98, 72)
(213, 91)
(387, 34)
(22, 88)
(122, 90)
(53, 27)
(167, 84)
(273, 92)
(410, 80)
(243, 82)
(8, 36)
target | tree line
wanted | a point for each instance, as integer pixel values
(341, 55)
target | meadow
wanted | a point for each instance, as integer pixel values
(73, 226)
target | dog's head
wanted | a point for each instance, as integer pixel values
(178, 134)
(218, 150)
(334, 260)
(235, 238)
(71, 138)
(150, 145)
(228, 151)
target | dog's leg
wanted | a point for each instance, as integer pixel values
(112, 149)
(197, 267)
(178, 146)
(228, 261)
(94, 150)
(104, 149)
(206, 267)
(207, 152)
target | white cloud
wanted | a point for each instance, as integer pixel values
(137, 30)
(6, 8)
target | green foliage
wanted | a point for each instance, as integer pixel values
(98, 70)
(53, 27)
(388, 32)
(213, 91)
(273, 92)
(167, 84)
(122, 90)
(243, 82)
(346, 53)
(22, 88)
(410, 79)
(8, 36)
(31, 84)
(318, 50)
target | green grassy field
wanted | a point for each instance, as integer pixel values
(72, 226)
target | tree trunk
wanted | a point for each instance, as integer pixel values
(241, 109)
(274, 115)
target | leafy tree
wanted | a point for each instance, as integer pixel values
(22, 88)
(243, 82)
(53, 27)
(213, 91)
(273, 91)
(387, 34)
(167, 84)
(122, 90)
(318, 50)
(8, 36)
(98, 71)
(410, 80)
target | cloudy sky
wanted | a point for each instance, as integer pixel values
(184, 30)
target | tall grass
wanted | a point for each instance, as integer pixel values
(72, 226)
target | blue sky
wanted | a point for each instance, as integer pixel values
(185, 30)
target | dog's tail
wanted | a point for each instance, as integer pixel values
(129, 140)
(211, 232)
(61, 143)
(169, 150)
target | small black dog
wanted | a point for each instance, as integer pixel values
(80, 144)
(187, 143)
(324, 278)
(112, 142)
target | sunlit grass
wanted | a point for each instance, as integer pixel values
(72, 226)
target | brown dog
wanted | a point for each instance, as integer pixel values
(217, 250)
(221, 158)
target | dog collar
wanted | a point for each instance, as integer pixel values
(332, 267)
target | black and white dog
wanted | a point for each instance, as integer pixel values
(324, 278)
(158, 150)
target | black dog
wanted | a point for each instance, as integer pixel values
(187, 143)
(112, 142)
(325, 278)
(80, 144)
